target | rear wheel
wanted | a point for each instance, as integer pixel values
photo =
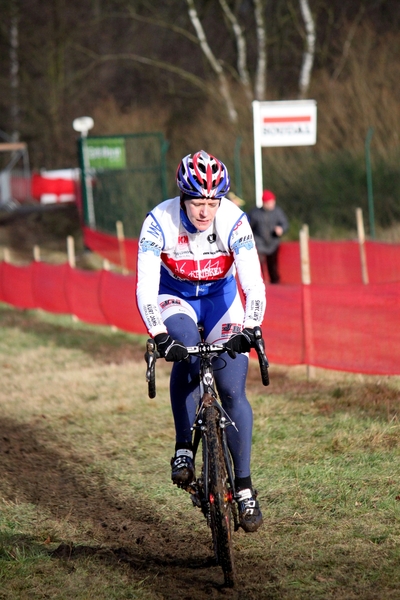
(220, 499)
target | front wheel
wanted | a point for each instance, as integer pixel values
(220, 498)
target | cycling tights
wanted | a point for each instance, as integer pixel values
(230, 377)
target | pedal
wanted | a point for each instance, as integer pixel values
(193, 490)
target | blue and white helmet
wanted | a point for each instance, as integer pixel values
(202, 176)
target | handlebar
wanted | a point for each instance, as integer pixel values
(204, 348)
(262, 357)
(150, 357)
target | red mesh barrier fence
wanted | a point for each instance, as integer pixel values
(131, 250)
(104, 244)
(118, 302)
(289, 262)
(110, 248)
(350, 327)
(83, 292)
(340, 262)
(283, 329)
(355, 326)
(49, 287)
(16, 286)
(330, 262)
(335, 262)
(383, 262)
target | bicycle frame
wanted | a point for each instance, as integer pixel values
(209, 398)
(214, 490)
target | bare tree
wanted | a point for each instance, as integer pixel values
(213, 61)
(241, 49)
(145, 13)
(348, 42)
(14, 72)
(309, 52)
(261, 74)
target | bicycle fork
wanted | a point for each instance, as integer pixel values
(199, 490)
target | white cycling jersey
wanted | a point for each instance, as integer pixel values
(176, 259)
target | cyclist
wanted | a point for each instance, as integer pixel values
(190, 249)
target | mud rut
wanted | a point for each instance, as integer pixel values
(177, 562)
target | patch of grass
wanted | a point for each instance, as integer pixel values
(86, 504)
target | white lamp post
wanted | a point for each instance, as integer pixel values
(82, 125)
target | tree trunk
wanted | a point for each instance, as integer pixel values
(14, 73)
(214, 63)
(308, 54)
(241, 49)
(261, 73)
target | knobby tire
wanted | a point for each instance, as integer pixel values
(220, 507)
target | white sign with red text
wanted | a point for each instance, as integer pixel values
(287, 123)
(281, 123)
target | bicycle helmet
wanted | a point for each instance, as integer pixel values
(202, 176)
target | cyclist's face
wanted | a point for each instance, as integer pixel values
(201, 212)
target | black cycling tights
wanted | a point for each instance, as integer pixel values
(230, 377)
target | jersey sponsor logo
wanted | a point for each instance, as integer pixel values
(209, 270)
(243, 242)
(257, 307)
(154, 229)
(169, 302)
(183, 239)
(211, 238)
(238, 224)
(149, 246)
(203, 270)
(228, 329)
(150, 313)
(217, 251)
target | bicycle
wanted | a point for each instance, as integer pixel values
(214, 490)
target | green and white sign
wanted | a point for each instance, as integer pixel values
(105, 153)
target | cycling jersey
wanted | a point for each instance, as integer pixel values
(177, 260)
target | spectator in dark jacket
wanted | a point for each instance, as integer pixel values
(269, 223)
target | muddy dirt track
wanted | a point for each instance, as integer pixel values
(174, 557)
(175, 561)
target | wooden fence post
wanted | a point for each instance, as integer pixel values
(305, 255)
(71, 251)
(307, 317)
(36, 253)
(121, 244)
(107, 267)
(361, 243)
(7, 255)
(71, 261)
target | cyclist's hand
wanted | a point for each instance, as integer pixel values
(170, 349)
(240, 342)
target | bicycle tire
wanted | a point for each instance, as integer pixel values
(220, 499)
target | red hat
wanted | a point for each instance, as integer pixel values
(268, 195)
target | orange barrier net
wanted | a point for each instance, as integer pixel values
(352, 327)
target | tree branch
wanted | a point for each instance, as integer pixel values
(347, 44)
(164, 24)
(186, 75)
(214, 63)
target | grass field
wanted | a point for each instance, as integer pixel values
(87, 509)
